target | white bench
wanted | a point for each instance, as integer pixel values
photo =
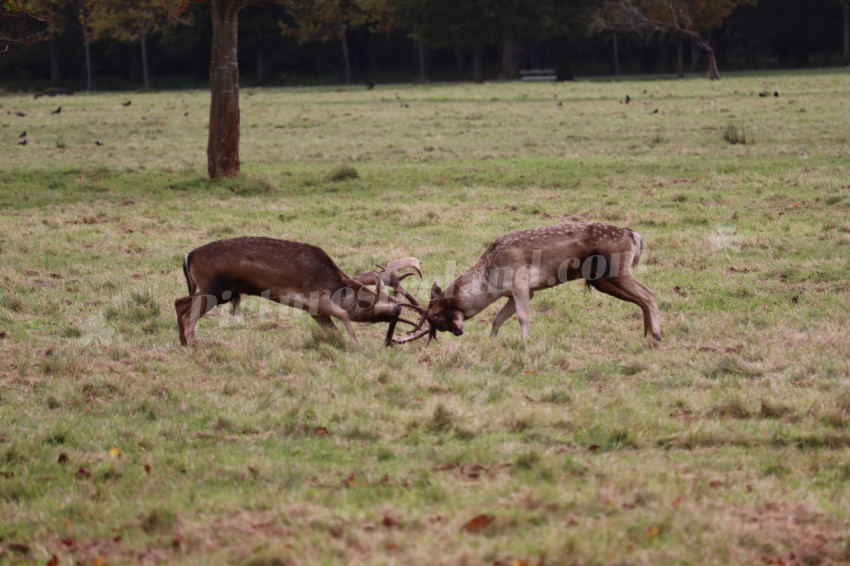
(538, 75)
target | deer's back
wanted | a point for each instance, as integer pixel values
(266, 263)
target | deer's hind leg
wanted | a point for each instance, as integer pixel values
(327, 309)
(189, 312)
(627, 288)
(507, 312)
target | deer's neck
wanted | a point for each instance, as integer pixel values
(471, 292)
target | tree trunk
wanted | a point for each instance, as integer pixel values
(509, 64)
(87, 48)
(346, 58)
(223, 147)
(422, 74)
(477, 64)
(695, 57)
(616, 47)
(460, 63)
(680, 57)
(562, 67)
(845, 54)
(262, 66)
(146, 81)
(55, 67)
(713, 72)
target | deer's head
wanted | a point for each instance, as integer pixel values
(379, 306)
(442, 315)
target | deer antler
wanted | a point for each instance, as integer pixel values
(389, 276)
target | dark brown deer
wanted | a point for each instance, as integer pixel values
(291, 273)
(521, 263)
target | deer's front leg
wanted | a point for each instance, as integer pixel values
(522, 299)
(325, 321)
(328, 308)
(507, 312)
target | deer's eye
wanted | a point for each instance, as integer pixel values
(439, 316)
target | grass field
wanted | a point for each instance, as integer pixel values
(274, 443)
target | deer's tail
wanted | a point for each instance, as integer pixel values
(190, 282)
(639, 243)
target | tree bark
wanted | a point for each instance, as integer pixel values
(422, 75)
(845, 54)
(146, 81)
(713, 72)
(616, 47)
(680, 58)
(509, 63)
(477, 64)
(563, 68)
(460, 63)
(346, 58)
(223, 146)
(55, 67)
(87, 48)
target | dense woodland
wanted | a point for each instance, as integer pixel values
(290, 43)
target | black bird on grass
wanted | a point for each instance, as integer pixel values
(128, 103)
(23, 134)
(20, 114)
(97, 143)
(57, 111)
(23, 142)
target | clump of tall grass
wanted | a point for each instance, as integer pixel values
(734, 134)
(343, 173)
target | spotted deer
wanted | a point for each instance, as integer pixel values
(291, 273)
(519, 264)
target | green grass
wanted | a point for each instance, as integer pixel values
(276, 443)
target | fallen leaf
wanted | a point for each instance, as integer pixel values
(678, 291)
(63, 458)
(320, 431)
(478, 523)
(54, 561)
(19, 547)
(83, 474)
(114, 453)
(676, 503)
(390, 519)
(652, 532)
(148, 469)
(593, 447)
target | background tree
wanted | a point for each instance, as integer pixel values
(679, 18)
(569, 21)
(23, 22)
(133, 20)
(845, 27)
(325, 20)
(223, 144)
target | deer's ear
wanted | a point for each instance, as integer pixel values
(436, 292)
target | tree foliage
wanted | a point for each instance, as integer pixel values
(325, 20)
(26, 21)
(690, 19)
